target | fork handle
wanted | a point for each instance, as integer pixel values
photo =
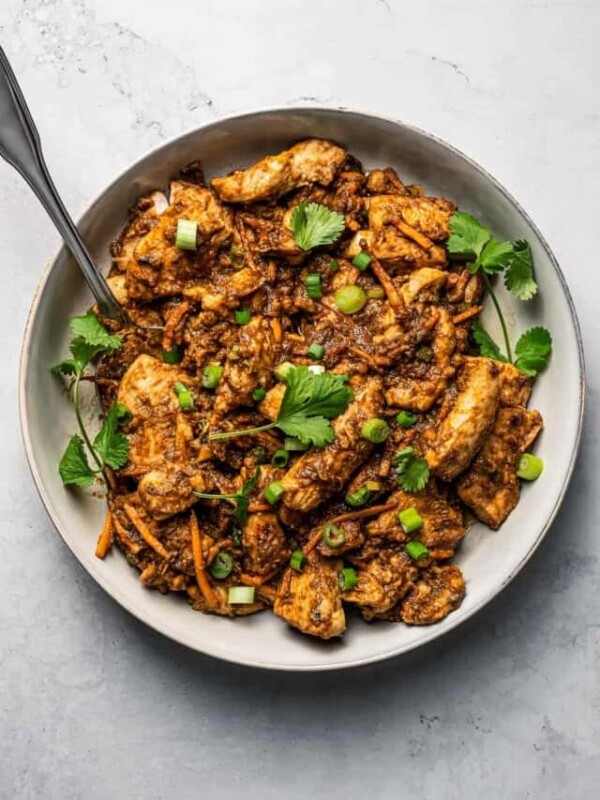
(20, 145)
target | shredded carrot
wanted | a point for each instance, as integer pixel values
(145, 532)
(295, 337)
(201, 578)
(257, 580)
(106, 537)
(124, 537)
(364, 512)
(432, 321)
(174, 319)
(387, 284)
(148, 573)
(254, 508)
(277, 330)
(413, 234)
(468, 313)
(267, 591)
(372, 360)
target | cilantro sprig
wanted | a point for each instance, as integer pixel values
(489, 256)
(313, 225)
(309, 402)
(110, 447)
(241, 499)
(412, 472)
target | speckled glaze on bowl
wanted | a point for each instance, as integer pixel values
(488, 559)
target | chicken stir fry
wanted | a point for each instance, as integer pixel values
(308, 419)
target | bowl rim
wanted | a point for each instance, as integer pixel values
(434, 631)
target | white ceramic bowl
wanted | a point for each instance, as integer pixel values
(488, 559)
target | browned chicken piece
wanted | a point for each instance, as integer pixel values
(264, 543)
(443, 522)
(227, 290)
(272, 237)
(383, 580)
(395, 250)
(417, 383)
(146, 389)
(222, 607)
(428, 216)
(439, 591)
(490, 487)
(311, 600)
(249, 365)
(352, 531)
(159, 268)
(143, 217)
(310, 161)
(424, 286)
(515, 387)
(170, 489)
(321, 472)
(385, 181)
(272, 402)
(460, 434)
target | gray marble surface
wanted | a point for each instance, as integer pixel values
(93, 704)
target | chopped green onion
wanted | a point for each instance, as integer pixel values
(211, 376)
(376, 293)
(242, 316)
(375, 430)
(416, 550)
(280, 459)
(333, 536)
(273, 492)
(402, 454)
(410, 519)
(292, 444)
(406, 419)
(334, 265)
(259, 394)
(282, 370)
(185, 397)
(317, 369)
(298, 560)
(241, 595)
(347, 579)
(530, 467)
(350, 299)
(316, 351)
(221, 566)
(172, 356)
(186, 236)
(359, 498)
(362, 260)
(236, 535)
(313, 286)
(424, 353)
(260, 454)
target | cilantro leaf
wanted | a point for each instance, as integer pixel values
(412, 472)
(519, 277)
(74, 468)
(468, 236)
(487, 346)
(313, 224)
(309, 430)
(91, 330)
(494, 256)
(533, 351)
(67, 367)
(110, 444)
(309, 401)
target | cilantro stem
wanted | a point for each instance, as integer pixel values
(82, 430)
(488, 286)
(245, 432)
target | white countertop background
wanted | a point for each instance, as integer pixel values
(95, 706)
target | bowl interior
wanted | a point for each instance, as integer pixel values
(488, 559)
